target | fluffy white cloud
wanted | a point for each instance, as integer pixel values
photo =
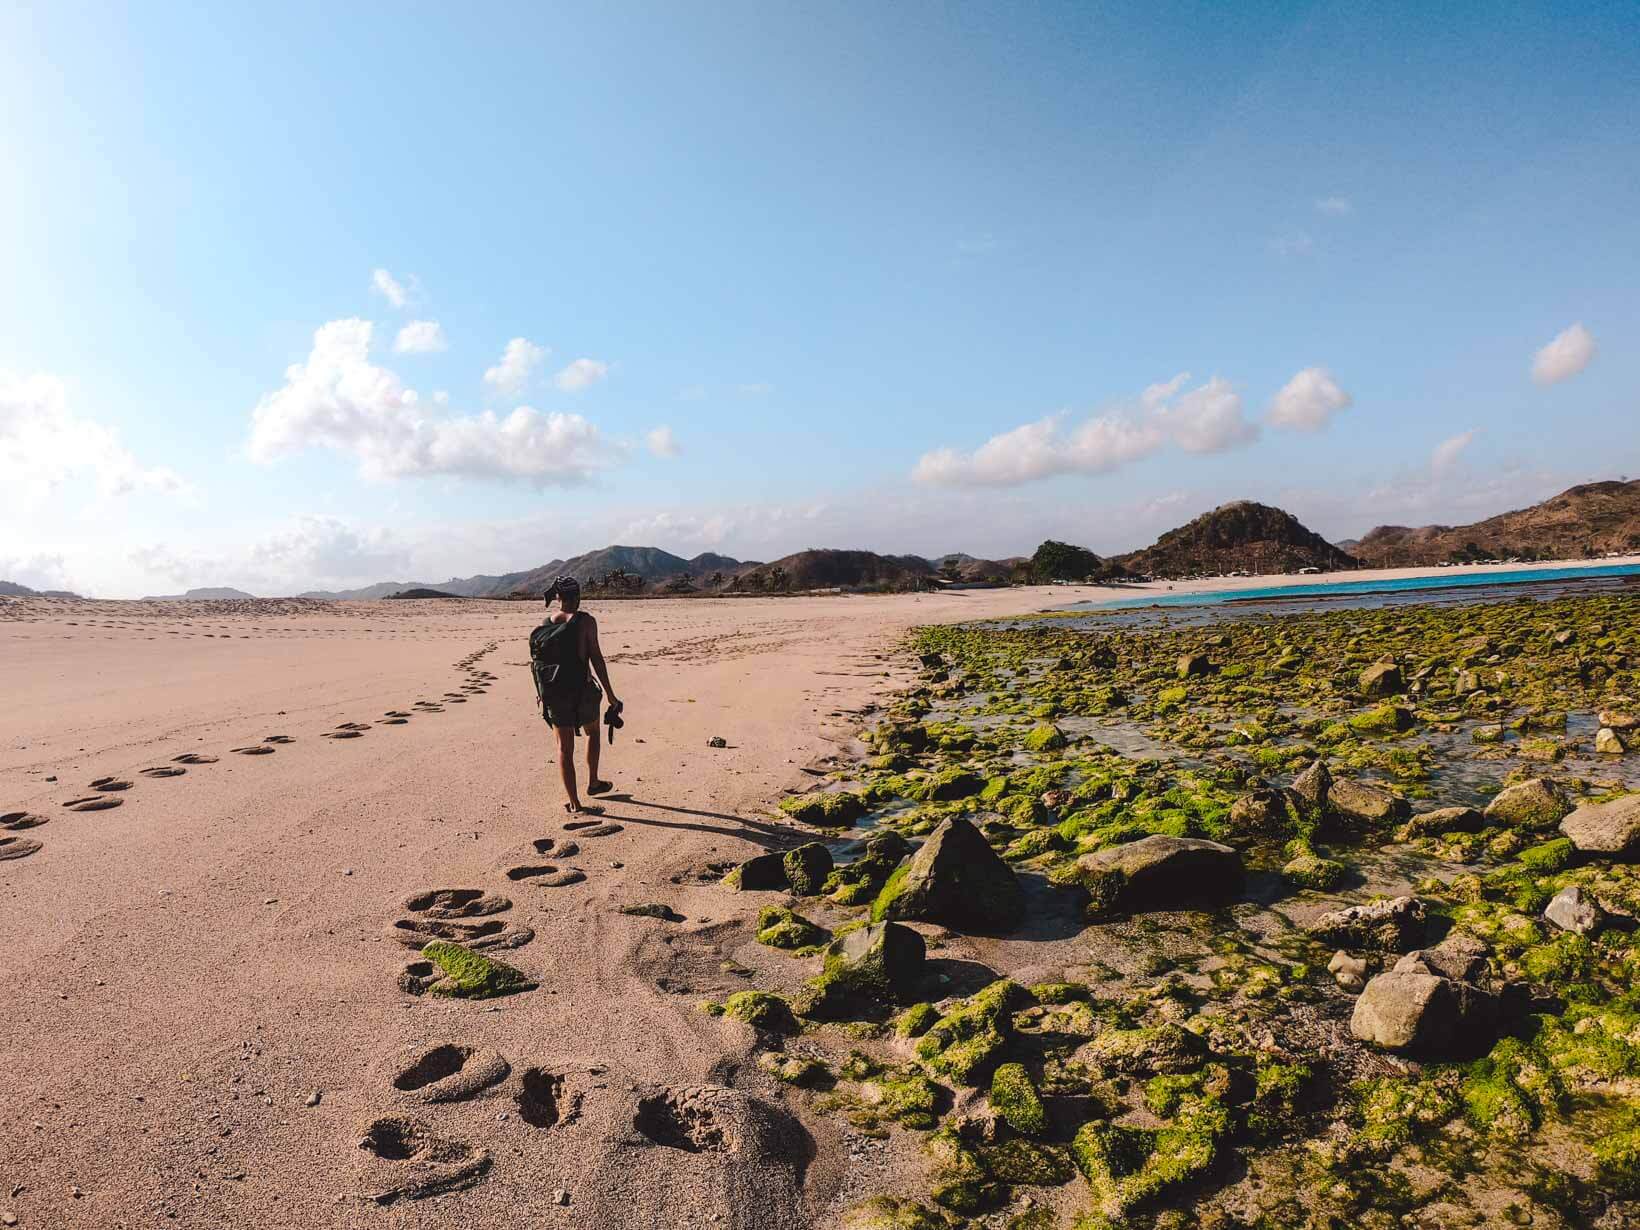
(518, 361)
(1564, 357)
(1207, 419)
(43, 444)
(663, 442)
(390, 288)
(35, 571)
(581, 374)
(1309, 400)
(420, 337)
(339, 399)
(1447, 452)
(1336, 206)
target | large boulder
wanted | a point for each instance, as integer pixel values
(1157, 871)
(1606, 830)
(1365, 806)
(1309, 791)
(955, 878)
(1417, 1013)
(1261, 812)
(1533, 804)
(1608, 742)
(1395, 925)
(1382, 679)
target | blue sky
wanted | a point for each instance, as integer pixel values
(913, 278)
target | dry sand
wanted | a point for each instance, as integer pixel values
(185, 971)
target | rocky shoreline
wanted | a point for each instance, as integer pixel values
(1351, 943)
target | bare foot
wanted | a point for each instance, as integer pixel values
(600, 787)
(583, 809)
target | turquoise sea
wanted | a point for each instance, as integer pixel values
(1451, 579)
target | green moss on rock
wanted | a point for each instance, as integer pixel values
(1014, 1097)
(471, 975)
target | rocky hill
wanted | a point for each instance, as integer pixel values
(11, 589)
(1582, 521)
(1236, 537)
(832, 569)
(208, 594)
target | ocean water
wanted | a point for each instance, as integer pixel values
(1361, 593)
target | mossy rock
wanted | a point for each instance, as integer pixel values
(804, 1071)
(779, 927)
(893, 1213)
(760, 1010)
(806, 868)
(471, 975)
(1044, 738)
(967, 1042)
(1014, 1097)
(1311, 870)
(1127, 1167)
(827, 809)
(1385, 719)
(907, 1097)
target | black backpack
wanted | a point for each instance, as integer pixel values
(556, 663)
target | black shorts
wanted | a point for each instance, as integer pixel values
(581, 714)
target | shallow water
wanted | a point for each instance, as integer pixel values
(1450, 587)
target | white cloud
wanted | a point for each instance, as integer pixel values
(1309, 400)
(1447, 452)
(1207, 419)
(420, 337)
(581, 374)
(307, 553)
(518, 360)
(1336, 206)
(1564, 357)
(44, 444)
(35, 571)
(663, 442)
(339, 399)
(757, 390)
(390, 288)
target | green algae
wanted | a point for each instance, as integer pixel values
(471, 975)
(1014, 1097)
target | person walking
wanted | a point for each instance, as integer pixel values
(564, 658)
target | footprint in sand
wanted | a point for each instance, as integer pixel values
(410, 1162)
(449, 1072)
(193, 758)
(17, 847)
(17, 821)
(542, 1101)
(164, 770)
(444, 914)
(552, 845)
(256, 749)
(342, 734)
(279, 738)
(396, 713)
(95, 802)
(392, 721)
(547, 876)
(110, 784)
(591, 828)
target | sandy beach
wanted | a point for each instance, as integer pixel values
(203, 1012)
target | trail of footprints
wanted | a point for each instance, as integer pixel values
(105, 792)
(410, 1159)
